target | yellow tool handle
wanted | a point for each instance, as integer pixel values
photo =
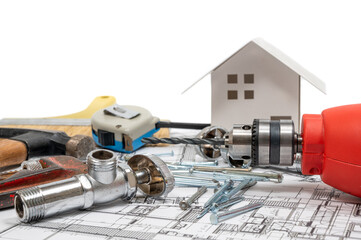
(97, 104)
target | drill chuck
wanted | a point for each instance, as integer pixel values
(273, 142)
(264, 143)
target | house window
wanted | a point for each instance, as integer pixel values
(281, 117)
(248, 94)
(249, 78)
(232, 95)
(232, 78)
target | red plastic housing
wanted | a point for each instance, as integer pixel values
(332, 147)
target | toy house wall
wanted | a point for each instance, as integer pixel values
(276, 89)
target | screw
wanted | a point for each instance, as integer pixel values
(235, 174)
(219, 193)
(241, 176)
(276, 176)
(185, 204)
(171, 153)
(204, 211)
(198, 164)
(191, 178)
(182, 183)
(218, 200)
(219, 176)
(235, 190)
(217, 218)
(190, 181)
(219, 206)
(185, 185)
(215, 197)
(220, 169)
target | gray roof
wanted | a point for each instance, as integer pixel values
(308, 76)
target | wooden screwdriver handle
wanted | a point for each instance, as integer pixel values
(12, 152)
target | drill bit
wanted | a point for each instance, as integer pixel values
(194, 141)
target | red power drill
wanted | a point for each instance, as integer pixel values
(332, 147)
(329, 145)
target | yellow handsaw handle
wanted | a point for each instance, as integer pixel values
(97, 104)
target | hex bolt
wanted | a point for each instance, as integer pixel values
(217, 218)
(219, 193)
(185, 204)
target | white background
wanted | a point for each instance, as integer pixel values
(56, 56)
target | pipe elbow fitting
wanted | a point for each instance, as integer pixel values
(105, 181)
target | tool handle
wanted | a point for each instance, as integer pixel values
(12, 152)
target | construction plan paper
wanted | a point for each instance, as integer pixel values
(301, 207)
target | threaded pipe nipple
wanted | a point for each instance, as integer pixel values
(102, 165)
(29, 204)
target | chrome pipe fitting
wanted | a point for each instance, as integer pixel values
(105, 181)
(102, 166)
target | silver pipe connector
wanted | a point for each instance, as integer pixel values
(102, 166)
(104, 183)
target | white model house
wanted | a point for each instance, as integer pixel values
(258, 81)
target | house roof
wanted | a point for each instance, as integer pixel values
(308, 76)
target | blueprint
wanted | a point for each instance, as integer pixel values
(298, 208)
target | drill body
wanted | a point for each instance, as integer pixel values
(331, 147)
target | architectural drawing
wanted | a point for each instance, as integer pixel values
(294, 209)
(258, 80)
(302, 207)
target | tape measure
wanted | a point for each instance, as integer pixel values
(121, 128)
